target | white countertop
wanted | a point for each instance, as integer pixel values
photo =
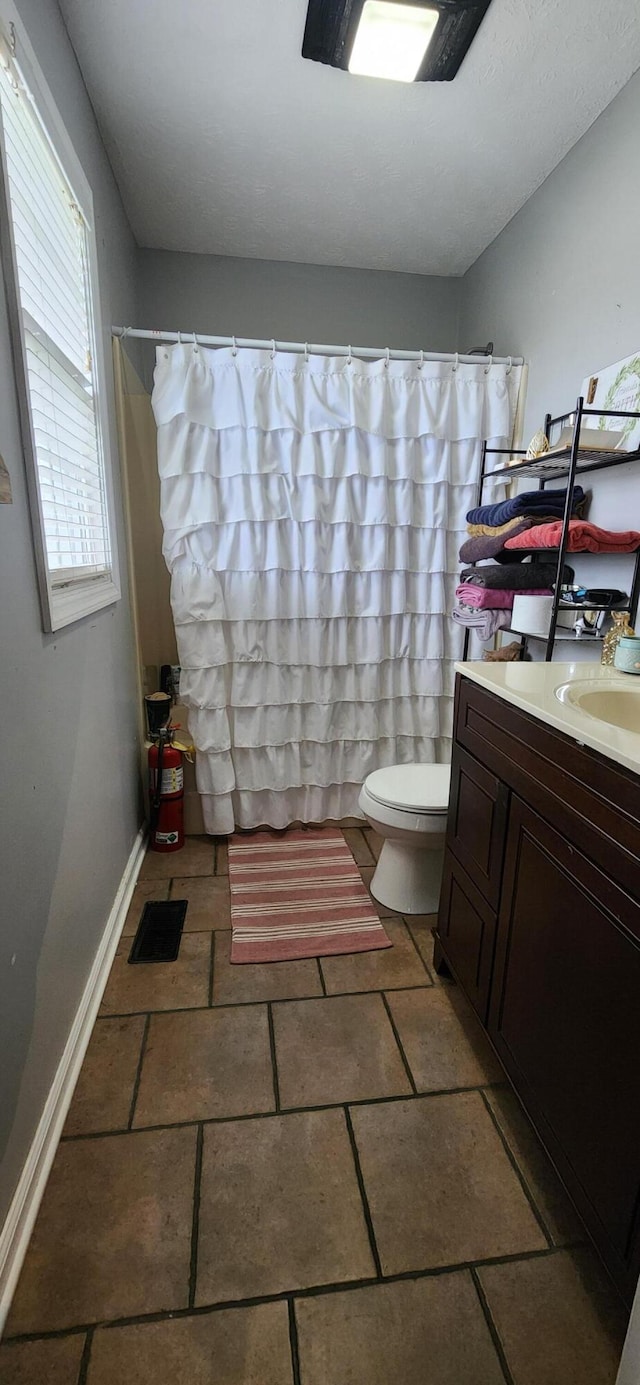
(532, 687)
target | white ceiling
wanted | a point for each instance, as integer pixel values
(225, 140)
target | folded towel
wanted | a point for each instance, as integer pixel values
(484, 623)
(583, 538)
(514, 576)
(475, 550)
(483, 597)
(527, 503)
(478, 531)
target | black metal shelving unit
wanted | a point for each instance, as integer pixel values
(567, 465)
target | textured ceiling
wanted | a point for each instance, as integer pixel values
(224, 140)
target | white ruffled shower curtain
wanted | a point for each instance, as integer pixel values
(312, 512)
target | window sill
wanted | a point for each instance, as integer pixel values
(68, 604)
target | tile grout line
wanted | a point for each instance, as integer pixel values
(314, 1291)
(195, 1221)
(373, 862)
(414, 944)
(136, 1081)
(321, 975)
(396, 1036)
(85, 1359)
(285, 1111)
(493, 1331)
(293, 1342)
(274, 1060)
(363, 1194)
(238, 1004)
(211, 967)
(519, 1174)
(167, 879)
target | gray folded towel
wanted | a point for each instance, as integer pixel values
(514, 576)
(485, 623)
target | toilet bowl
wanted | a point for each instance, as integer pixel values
(407, 805)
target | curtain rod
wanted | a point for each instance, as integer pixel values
(313, 349)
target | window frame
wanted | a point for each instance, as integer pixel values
(63, 604)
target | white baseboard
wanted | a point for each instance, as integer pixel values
(16, 1232)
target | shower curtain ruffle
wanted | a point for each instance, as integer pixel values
(312, 516)
(252, 390)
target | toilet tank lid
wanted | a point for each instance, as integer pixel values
(417, 788)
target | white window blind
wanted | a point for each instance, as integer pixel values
(51, 263)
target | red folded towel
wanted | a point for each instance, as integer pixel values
(492, 598)
(583, 538)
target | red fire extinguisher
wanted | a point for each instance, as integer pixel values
(166, 792)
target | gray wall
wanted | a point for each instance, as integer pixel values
(68, 808)
(223, 296)
(561, 286)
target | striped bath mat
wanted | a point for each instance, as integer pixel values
(298, 894)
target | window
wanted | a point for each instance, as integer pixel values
(49, 262)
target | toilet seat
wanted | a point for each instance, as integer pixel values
(411, 788)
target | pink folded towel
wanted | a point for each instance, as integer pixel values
(495, 598)
(583, 538)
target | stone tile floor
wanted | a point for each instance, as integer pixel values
(305, 1173)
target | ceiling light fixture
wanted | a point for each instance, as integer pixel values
(421, 41)
(391, 40)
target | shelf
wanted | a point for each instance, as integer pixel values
(590, 637)
(554, 467)
(592, 606)
(564, 464)
(569, 553)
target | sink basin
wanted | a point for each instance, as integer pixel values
(615, 703)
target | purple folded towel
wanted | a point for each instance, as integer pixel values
(492, 546)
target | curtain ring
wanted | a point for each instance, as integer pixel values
(421, 361)
(488, 367)
(273, 349)
(306, 353)
(349, 355)
(124, 333)
(234, 348)
(179, 336)
(195, 344)
(387, 358)
(455, 363)
(509, 366)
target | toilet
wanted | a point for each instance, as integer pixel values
(407, 805)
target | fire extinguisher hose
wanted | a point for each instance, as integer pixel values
(157, 793)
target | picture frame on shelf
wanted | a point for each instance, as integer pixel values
(616, 386)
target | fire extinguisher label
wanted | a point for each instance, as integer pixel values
(172, 780)
(167, 838)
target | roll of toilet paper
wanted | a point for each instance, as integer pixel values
(532, 615)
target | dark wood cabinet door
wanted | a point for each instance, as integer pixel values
(565, 1020)
(476, 823)
(466, 930)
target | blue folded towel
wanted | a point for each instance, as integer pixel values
(528, 503)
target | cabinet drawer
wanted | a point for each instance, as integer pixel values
(466, 930)
(564, 1020)
(477, 821)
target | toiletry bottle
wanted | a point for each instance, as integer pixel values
(621, 627)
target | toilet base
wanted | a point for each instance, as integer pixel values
(408, 877)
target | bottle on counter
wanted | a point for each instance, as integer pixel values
(620, 629)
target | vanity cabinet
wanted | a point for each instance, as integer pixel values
(539, 922)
